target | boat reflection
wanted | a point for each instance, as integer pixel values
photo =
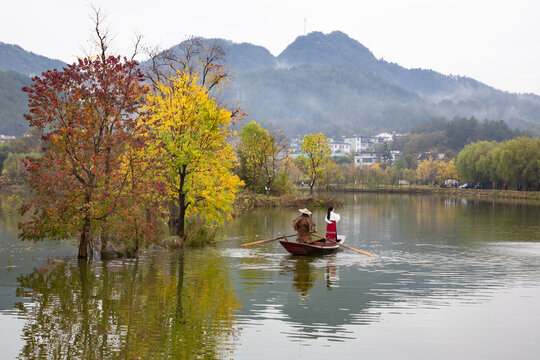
(303, 274)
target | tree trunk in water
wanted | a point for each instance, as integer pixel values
(85, 239)
(104, 238)
(180, 229)
(182, 206)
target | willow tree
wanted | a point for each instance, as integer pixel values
(316, 154)
(474, 162)
(187, 133)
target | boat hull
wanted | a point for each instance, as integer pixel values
(318, 247)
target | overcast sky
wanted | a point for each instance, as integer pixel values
(493, 41)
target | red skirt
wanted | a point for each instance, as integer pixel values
(331, 231)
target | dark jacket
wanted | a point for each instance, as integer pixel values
(305, 226)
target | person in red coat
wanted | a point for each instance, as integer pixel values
(331, 220)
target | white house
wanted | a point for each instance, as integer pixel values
(360, 143)
(365, 158)
(339, 147)
(384, 137)
(396, 154)
(6, 137)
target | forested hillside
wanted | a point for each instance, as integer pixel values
(337, 99)
(335, 84)
(13, 57)
(16, 67)
(13, 103)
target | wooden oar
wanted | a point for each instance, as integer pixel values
(263, 241)
(347, 247)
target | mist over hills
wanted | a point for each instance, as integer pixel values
(332, 83)
(320, 82)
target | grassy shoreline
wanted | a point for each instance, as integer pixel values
(246, 201)
(475, 193)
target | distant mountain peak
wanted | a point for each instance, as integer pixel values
(15, 58)
(326, 49)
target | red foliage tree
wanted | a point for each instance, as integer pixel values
(88, 182)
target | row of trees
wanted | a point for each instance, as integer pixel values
(265, 165)
(450, 136)
(12, 153)
(427, 172)
(117, 151)
(512, 162)
(515, 162)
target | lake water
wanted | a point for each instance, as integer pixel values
(453, 279)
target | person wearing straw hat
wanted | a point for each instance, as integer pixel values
(304, 226)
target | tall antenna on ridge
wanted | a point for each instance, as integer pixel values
(305, 25)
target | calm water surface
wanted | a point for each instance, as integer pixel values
(453, 278)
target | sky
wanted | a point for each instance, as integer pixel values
(492, 41)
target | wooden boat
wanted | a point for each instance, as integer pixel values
(317, 247)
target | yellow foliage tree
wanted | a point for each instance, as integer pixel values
(427, 170)
(446, 171)
(316, 154)
(187, 134)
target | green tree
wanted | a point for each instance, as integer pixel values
(13, 170)
(518, 162)
(255, 143)
(474, 162)
(383, 153)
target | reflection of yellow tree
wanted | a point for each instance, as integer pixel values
(161, 307)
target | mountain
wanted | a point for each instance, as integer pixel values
(13, 103)
(16, 67)
(15, 58)
(332, 49)
(244, 56)
(332, 83)
(324, 82)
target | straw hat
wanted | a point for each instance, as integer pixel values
(305, 211)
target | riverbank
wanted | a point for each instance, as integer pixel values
(246, 201)
(476, 193)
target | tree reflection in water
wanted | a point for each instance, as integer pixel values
(161, 305)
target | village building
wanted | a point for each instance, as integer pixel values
(339, 147)
(4, 138)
